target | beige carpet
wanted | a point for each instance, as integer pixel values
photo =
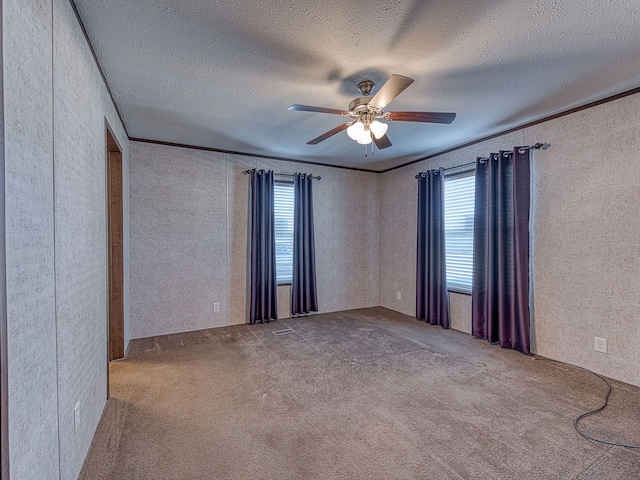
(361, 394)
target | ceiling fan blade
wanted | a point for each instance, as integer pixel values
(330, 133)
(309, 108)
(428, 117)
(382, 142)
(390, 90)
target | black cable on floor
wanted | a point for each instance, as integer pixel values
(593, 412)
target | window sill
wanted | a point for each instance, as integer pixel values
(459, 290)
(282, 284)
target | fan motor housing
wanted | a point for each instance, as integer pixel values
(359, 105)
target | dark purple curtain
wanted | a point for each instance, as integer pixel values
(264, 295)
(304, 297)
(500, 296)
(432, 298)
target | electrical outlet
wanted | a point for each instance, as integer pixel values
(216, 306)
(398, 295)
(600, 344)
(76, 417)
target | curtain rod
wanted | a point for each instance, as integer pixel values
(247, 172)
(537, 146)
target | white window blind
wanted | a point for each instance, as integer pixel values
(459, 199)
(283, 210)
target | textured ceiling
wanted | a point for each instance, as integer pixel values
(221, 74)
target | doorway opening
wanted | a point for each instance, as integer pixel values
(115, 305)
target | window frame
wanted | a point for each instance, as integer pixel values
(455, 173)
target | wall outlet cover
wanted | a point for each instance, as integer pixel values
(600, 344)
(398, 295)
(216, 306)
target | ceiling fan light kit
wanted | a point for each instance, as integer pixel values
(378, 129)
(361, 132)
(366, 110)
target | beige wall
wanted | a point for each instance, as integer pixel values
(55, 110)
(189, 217)
(585, 236)
(31, 322)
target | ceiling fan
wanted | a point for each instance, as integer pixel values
(366, 110)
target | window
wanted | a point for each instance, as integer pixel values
(283, 210)
(459, 198)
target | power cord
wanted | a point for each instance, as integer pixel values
(592, 412)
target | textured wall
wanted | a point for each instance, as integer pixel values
(178, 240)
(346, 238)
(56, 104)
(189, 216)
(586, 233)
(31, 322)
(585, 249)
(238, 270)
(81, 104)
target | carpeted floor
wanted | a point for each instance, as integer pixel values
(361, 394)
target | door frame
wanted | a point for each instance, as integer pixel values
(114, 240)
(4, 377)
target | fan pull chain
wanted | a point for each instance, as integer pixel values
(366, 150)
